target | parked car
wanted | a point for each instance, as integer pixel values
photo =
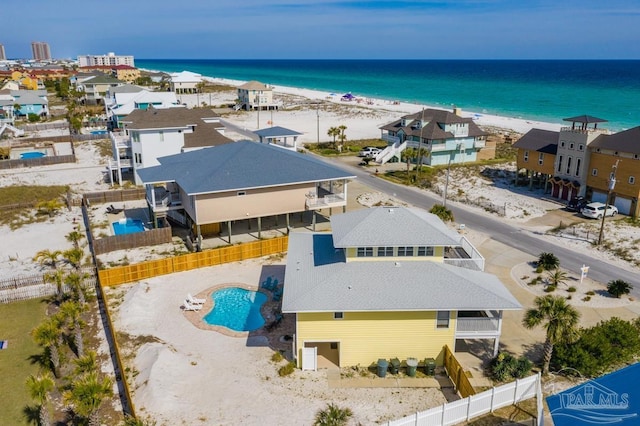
(577, 204)
(369, 151)
(597, 210)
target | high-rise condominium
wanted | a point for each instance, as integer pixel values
(40, 51)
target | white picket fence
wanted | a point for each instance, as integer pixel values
(477, 405)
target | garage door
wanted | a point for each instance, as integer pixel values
(623, 205)
(600, 197)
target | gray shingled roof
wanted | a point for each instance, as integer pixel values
(432, 129)
(276, 131)
(237, 166)
(539, 140)
(167, 118)
(625, 141)
(205, 135)
(390, 226)
(317, 279)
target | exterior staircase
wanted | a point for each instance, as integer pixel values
(390, 151)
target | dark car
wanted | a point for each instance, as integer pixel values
(577, 204)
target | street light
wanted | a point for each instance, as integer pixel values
(612, 185)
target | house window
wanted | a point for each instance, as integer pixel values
(385, 251)
(580, 147)
(571, 145)
(562, 144)
(135, 136)
(568, 165)
(241, 193)
(405, 251)
(541, 158)
(632, 180)
(577, 167)
(594, 172)
(442, 320)
(425, 251)
(560, 163)
(526, 156)
(365, 252)
(338, 315)
(161, 135)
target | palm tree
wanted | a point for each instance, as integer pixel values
(618, 287)
(556, 277)
(548, 261)
(75, 281)
(442, 212)
(408, 154)
(48, 335)
(49, 207)
(87, 394)
(75, 237)
(71, 312)
(558, 318)
(341, 136)
(332, 415)
(57, 278)
(48, 258)
(421, 152)
(74, 257)
(86, 363)
(39, 387)
(333, 132)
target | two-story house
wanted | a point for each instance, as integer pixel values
(388, 282)
(95, 88)
(254, 95)
(123, 100)
(30, 102)
(616, 156)
(536, 156)
(185, 82)
(572, 156)
(446, 137)
(245, 180)
(150, 133)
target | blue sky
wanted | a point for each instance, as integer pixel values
(319, 29)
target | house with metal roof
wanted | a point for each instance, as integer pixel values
(254, 95)
(388, 282)
(215, 186)
(149, 133)
(446, 137)
(536, 156)
(616, 156)
(185, 82)
(279, 136)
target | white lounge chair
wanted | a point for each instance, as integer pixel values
(191, 307)
(195, 300)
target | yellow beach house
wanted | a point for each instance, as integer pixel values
(388, 282)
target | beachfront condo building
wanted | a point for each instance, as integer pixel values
(149, 133)
(110, 60)
(444, 136)
(40, 51)
(254, 95)
(388, 282)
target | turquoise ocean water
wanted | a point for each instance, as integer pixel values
(536, 90)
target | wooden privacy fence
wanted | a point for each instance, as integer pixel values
(36, 286)
(463, 410)
(186, 262)
(34, 162)
(133, 240)
(114, 196)
(456, 374)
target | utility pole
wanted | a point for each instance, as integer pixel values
(318, 120)
(612, 185)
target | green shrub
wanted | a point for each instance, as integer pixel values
(442, 212)
(572, 289)
(618, 287)
(333, 415)
(590, 293)
(586, 298)
(600, 348)
(550, 289)
(539, 269)
(548, 261)
(276, 357)
(505, 367)
(286, 370)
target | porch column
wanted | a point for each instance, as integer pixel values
(531, 180)
(344, 194)
(288, 227)
(153, 196)
(229, 229)
(199, 248)
(259, 226)
(496, 342)
(313, 220)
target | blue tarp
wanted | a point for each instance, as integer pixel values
(614, 398)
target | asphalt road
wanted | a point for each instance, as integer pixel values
(510, 235)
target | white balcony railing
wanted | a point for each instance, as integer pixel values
(479, 144)
(436, 147)
(390, 139)
(330, 200)
(482, 325)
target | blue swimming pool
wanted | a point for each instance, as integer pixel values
(32, 154)
(98, 132)
(127, 226)
(237, 309)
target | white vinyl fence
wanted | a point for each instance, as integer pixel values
(477, 405)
